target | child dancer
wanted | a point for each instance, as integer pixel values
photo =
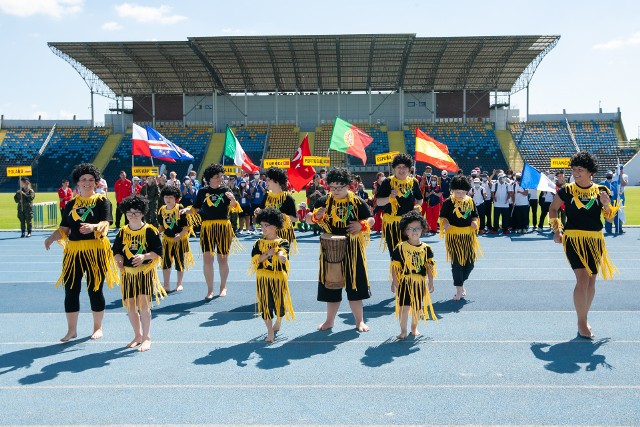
(412, 264)
(175, 238)
(459, 227)
(137, 249)
(269, 260)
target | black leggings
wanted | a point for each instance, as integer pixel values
(460, 273)
(73, 286)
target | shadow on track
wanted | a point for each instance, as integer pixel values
(390, 350)
(244, 312)
(566, 357)
(24, 358)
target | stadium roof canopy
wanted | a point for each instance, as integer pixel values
(380, 62)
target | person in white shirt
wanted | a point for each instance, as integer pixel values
(488, 200)
(477, 193)
(521, 208)
(502, 195)
(101, 187)
(533, 206)
(173, 180)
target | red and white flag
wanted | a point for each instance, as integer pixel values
(233, 150)
(300, 175)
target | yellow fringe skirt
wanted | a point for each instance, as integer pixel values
(91, 256)
(390, 232)
(590, 249)
(461, 244)
(414, 288)
(178, 252)
(288, 234)
(273, 286)
(217, 236)
(141, 281)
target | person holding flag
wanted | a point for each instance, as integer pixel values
(397, 195)
(213, 204)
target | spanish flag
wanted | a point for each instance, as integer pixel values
(435, 153)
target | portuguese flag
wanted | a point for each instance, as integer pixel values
(428, 150)
(233, 150)
(347, 138)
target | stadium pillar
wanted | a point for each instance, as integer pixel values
(121, 114)
(369, 91)
(401, 112)
(276, 101)
(338, 102)
(433, 106)
(92, 116)
(184, 110)
(153, 109)
(464, 106)
(245, 108)
(214, 104)
(318, 106)
(527, 102)
(297, 93)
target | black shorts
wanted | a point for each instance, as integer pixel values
(576, 263)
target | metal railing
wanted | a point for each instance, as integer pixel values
(45, 215)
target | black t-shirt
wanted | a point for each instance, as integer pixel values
(90, 210)
(448, 211)
(150, 243)
(589, 217)
(212, 203)
(169, 223)
(267, 264)
(419, 264)
(356, 211)
(287, 207)
(406, 201)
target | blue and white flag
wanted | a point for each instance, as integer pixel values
(532, 178)
(150, 143)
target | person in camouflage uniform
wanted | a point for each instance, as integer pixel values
(24, 198)
(151, 191)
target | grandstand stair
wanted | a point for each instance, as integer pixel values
(622, 135)
(396, 141)
(106, 152)
(214, 153)
(3, 133)
(509, 150)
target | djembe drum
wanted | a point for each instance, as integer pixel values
(333, 249)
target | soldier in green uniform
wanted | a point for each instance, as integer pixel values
(24, 198)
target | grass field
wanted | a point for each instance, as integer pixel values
(9, 219)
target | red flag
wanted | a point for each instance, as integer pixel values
(428, 151)
(349, 139)
(300, 175)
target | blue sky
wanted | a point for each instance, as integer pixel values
(596, 63)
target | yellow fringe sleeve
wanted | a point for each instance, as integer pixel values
(431, 268)
(394, 270)
(556, 225)
(235, 209)
(390, 227)
(613, 210)
(253, 264)
(194, 220)
(101, 230)
(442, 232)
(64, 239)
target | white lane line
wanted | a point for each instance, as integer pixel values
(322, 386)
(424, 341)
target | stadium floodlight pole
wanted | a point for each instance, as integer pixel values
(92, 115)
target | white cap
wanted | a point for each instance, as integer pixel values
(476, 180)
(444, 173)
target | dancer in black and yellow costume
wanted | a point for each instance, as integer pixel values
(280, 199)
(459, 223)
(83, 234)
(581, 236)
(398, 195)
(270, 263)
(175, 237)
(138, 250)
(412, 264)
(213, 204)
(345, 214)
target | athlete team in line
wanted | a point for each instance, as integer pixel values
(140, 249)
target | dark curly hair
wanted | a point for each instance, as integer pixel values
(170, 190)
(271, 216)
(211, 170)
(278, 175)
(85, 169)
(460, 182)
(585, 160)
(135, 201)
(410, 217)
(402, 159)
(339, 175)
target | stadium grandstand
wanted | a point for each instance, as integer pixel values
(274, 90)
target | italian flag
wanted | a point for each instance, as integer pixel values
(347, 138)
(233, 150)
(428, 150)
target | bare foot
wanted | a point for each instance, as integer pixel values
(97, 334)
(362, 327)
(270, 337)
(145, 346)
(179, 288)
(276, 326)
(403, 335)
(70, 335)
(167, 289)
(456, 297)
(136, 342)
(326, 325)
(223, 292)
(209, 296)
(415, 332)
